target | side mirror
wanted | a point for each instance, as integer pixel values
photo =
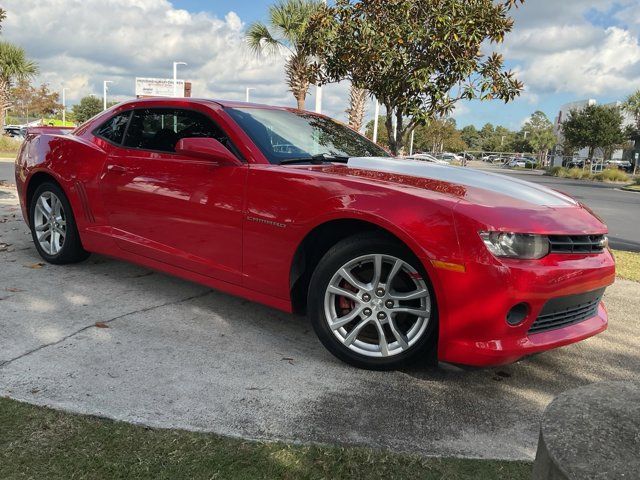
(208, 149)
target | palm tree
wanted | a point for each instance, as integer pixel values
(357, 103)
(632, 106)
(14, 66)
(287, 23)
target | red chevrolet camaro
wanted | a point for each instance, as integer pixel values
(393, 260)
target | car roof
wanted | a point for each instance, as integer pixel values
(222, 103)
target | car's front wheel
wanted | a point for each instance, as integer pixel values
(371, 303)
(53, 226)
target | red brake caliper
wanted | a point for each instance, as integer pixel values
(346, 304)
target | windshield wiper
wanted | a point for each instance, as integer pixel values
(316, 159)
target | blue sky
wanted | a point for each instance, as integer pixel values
(562, 50)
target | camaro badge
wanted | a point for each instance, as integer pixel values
(267, 222)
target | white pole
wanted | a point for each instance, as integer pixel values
(105, 88)
(247, 93)
(375, 122)
(413, 134)
(318, 99)
(395, 127)
(64, 107)
(175, 78)
(319, 92)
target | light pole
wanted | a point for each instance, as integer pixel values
(105, 88)
(64, 107)
(413, 134)
(395, 128)
(247, 93)
(319, 92)
(375, 122)
(175, 77)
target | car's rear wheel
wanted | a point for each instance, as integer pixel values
(53, 226)
(371, 303)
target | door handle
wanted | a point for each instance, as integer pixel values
(116, 168)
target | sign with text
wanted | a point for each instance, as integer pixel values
(158, 87)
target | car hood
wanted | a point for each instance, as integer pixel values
(475, 186)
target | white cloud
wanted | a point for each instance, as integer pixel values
(594, 62)
(78, 44)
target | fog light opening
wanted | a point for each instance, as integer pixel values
(517, 314)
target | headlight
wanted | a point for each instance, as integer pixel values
(516, 245)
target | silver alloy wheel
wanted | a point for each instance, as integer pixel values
(50, 223)
(377, 305)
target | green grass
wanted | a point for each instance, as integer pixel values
(37, 442)
(57, 123)
(627, 265)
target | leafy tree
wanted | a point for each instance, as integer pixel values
(471, 136)
(439, 135)
(596, 126)
(357, 104)
(417, 57)
(3, 16)
(34, 102)
(539, 133)
(87, 108)
(288, 21)
(632, 106)
(14, 66)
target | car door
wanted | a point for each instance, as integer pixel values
(181, 211)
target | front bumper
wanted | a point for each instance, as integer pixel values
(474, 304)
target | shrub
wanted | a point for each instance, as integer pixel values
(578, 173)
(556, 171)
(612, 175)
(9, 145)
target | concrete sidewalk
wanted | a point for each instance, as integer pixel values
(116, 340)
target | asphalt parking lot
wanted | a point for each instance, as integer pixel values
(112, 339)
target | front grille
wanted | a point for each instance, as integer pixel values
(577, 243)
(564, 311)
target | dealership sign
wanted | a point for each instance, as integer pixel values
(158, 87)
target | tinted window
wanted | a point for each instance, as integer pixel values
(283, 134)
(161, 129)
(114, 128)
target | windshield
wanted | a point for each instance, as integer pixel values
(284, 135)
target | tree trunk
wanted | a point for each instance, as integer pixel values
(388, 123)
(297, 71)
(301, 99)
(4, 102)
(357, 103)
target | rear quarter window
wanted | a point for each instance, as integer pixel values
(113, 129)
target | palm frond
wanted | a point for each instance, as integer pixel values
(290, 17)
(260, 40)
(14, 64)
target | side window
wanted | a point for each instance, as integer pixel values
(114, 128)
(161, 129)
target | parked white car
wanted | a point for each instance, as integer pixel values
(521, 162)
(425, 157)
(449, 157)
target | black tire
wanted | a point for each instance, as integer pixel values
(424, 349)
(71, 251)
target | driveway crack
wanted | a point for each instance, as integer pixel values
(93, 325)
